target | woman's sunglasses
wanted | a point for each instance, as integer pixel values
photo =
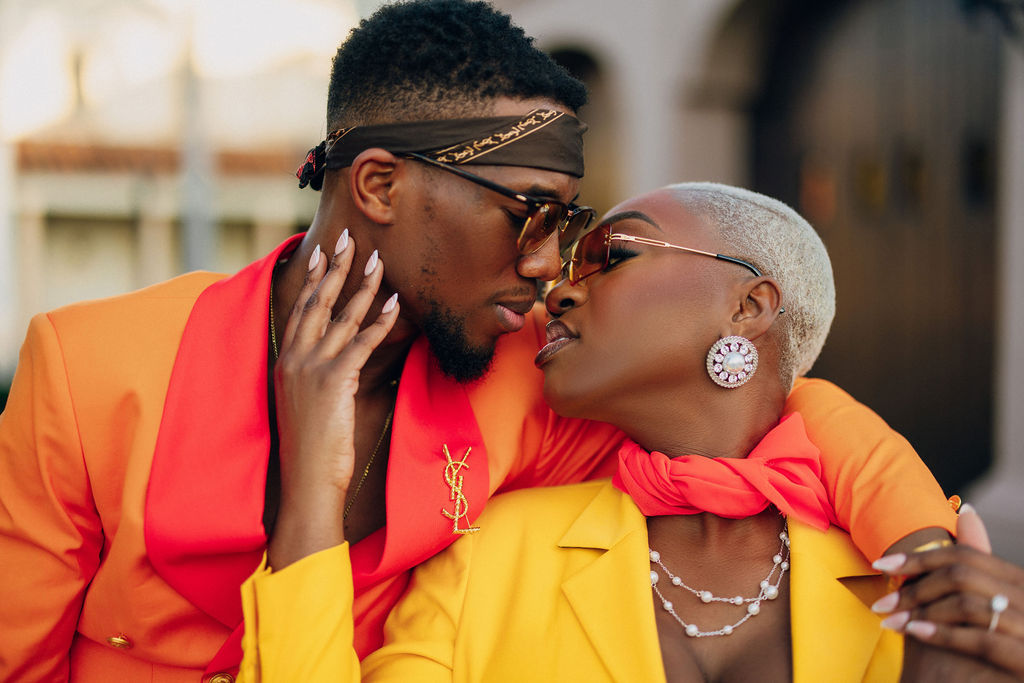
(592, 253)
(544, 217)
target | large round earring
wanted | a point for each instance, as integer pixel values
(732, 361)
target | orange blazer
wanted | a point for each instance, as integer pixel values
(133, 456)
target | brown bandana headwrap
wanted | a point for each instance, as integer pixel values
(544, 138)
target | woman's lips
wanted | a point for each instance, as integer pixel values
(558, 336)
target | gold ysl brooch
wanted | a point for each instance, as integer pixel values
(454, 480)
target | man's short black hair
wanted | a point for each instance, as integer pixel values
(431, 59)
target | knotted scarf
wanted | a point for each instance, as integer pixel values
(783, 470)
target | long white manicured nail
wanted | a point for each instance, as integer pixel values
(342, 242)
(886, 604)
(371, 263)
(921, 629)
(390, 304)
(315, 258)
(896, 621)
(889, 563)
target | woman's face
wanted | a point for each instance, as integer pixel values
(644, 325)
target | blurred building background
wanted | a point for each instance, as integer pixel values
(142, 138)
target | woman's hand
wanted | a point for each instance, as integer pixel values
(963, 599)
(315, 381)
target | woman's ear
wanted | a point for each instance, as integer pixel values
(759, 303)
(372, 179)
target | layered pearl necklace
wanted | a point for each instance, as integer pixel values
(769, 590)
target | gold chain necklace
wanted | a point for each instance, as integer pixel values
(383, 432)
(273, 329)
(366, 470)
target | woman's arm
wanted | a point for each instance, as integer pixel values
(298, 605)
(298, 621)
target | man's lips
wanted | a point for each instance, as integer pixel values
(512, 313)
(520, 306)
(558, 336)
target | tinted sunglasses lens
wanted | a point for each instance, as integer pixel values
(575, 225)
(589, 255)
(539, 225)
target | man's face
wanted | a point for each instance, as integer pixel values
(456, 263)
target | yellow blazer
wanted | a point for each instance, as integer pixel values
(553, 588)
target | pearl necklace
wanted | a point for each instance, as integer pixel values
(769, 590)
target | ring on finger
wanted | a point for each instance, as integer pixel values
(999, 604)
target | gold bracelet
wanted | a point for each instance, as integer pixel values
(933, 545)
(896, 581)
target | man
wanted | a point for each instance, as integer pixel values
(138, 452)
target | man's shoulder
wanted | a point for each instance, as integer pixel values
(176, 291)
(189, 285)
(144, 322)
(160, 306)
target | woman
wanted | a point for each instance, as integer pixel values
(683, 320)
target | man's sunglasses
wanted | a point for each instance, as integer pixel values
(544, 217)
(592, 253)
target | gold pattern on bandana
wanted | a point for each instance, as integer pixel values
(454, 481)
(336, 135)
(467, 151)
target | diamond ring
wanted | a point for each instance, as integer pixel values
(999, 604)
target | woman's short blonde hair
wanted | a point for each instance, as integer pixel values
(783, 245)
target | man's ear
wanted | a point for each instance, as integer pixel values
(372, 184)
(759, 303)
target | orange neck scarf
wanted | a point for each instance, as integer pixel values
(783, 470)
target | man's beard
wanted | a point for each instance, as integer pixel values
(458, 358)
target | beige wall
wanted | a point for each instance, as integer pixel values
(10, 330)
(75, 236)
(652, 57)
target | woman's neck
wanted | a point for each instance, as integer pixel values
(723, 424)
(733, 537)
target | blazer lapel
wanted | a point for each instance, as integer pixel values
(619, 623)
(831, 590)
(831, 587)
(204, 502)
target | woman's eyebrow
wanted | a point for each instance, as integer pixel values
(626, 215)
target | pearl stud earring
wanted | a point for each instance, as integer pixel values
(732, 361)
